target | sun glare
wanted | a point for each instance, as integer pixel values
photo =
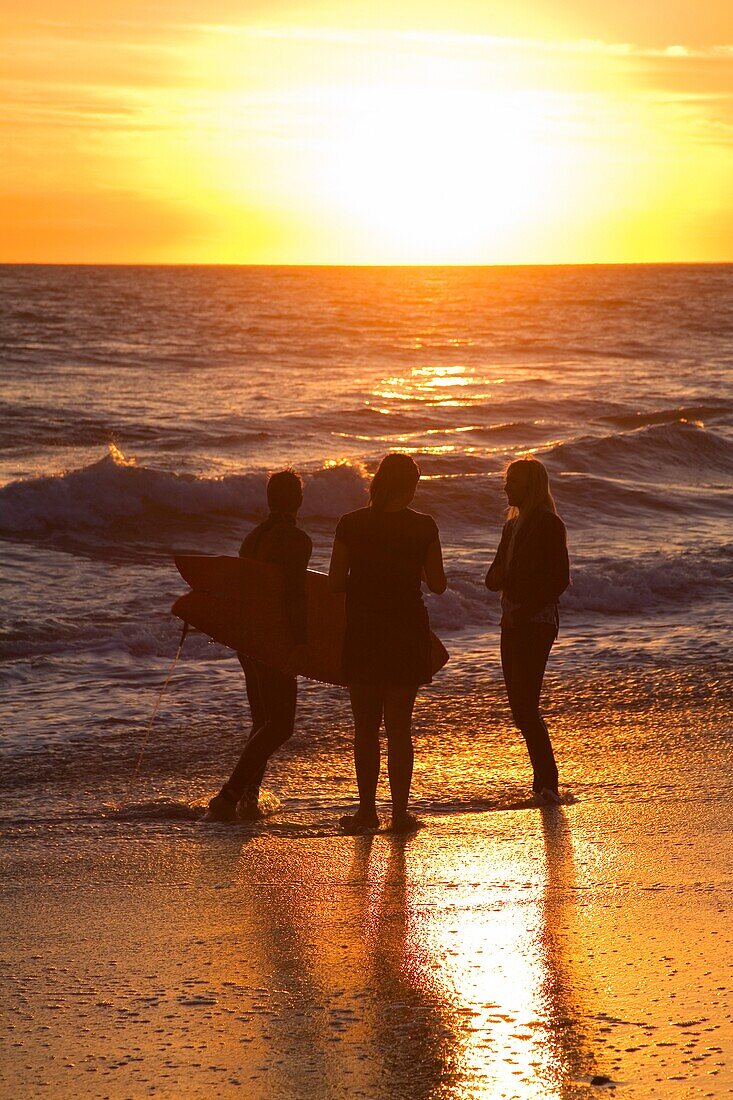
(439, 172)
(257, 144)
(413, 156)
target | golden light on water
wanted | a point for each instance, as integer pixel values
(444, 964)
(435, 385)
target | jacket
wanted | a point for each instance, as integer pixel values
(539, 570)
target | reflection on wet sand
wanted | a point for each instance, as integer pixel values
(496, 932)
(268, 957)
(490, 956)
(570, 1055)
(411, 1037)
(406, 966)
(349, 989)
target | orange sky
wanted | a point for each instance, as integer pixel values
(492, 132)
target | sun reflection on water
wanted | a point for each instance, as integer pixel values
(417, 966)
(428, 386)
(486, 947)
(493, 972)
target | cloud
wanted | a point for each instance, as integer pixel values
(128, 75)
(473, 43)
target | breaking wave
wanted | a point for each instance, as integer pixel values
(670, 467)
(116, 490)
(662, 453)
(610, 586)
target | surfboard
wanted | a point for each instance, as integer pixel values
(239, 603)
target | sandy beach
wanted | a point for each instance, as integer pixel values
(511, 954)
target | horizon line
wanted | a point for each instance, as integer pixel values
(203, 264)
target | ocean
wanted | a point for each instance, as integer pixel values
(142, 409)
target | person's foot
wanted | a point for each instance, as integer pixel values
(405, 823)
(547, 797)
(363, 821)
(221, 808)
(248, 806)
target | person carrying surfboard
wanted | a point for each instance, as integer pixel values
(381, 554)
(272, 693)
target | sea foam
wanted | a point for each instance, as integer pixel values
(116, 490)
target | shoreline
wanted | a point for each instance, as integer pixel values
(511, 954)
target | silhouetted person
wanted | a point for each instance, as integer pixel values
(381, 554)
(272, 694)
(531, 571)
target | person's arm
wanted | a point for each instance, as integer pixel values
(338, 570)
(433, 570)
(495, 578)
(559, 563)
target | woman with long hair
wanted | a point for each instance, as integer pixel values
(531, 571)
(381, 554)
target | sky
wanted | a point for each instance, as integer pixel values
(505, 131)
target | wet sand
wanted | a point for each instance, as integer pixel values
(497, 954)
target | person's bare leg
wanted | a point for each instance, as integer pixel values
(398, 706)
(366, 704)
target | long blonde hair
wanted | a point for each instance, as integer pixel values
(538, 485)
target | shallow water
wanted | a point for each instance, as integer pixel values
(142, 409)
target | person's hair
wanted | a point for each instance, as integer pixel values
(284, 491)
(538, 485)
(397, 475)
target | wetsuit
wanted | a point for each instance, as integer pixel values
(272, 694)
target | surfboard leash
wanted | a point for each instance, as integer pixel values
(146, 738)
